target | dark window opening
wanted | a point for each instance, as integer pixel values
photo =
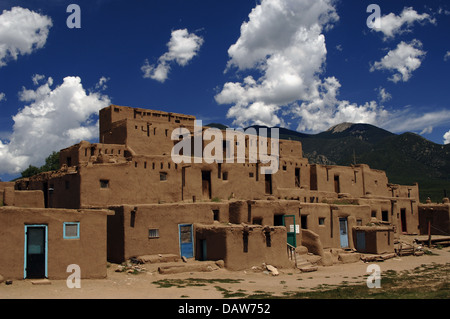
(297, 177)
(373, 214)
(337, 186)
(104, 183)
(225, 176)
(278, 220)
(162, 176)
(321, 220)
(303, 221)
(216, 214)
(385, 216)
(69, 161)
(257, 221)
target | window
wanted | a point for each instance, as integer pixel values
(385, 215)
(373, 214)
(304, 221)
(104, 183)
(225, 176)
(250, 174)
(359, 222)
(153, 233)
(162, 176)
(216, 214)
(321, 220)
(71, 230)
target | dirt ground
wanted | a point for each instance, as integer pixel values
(121, 285)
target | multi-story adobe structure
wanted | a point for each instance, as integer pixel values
(221, 209)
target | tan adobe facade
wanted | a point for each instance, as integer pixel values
(230, 210)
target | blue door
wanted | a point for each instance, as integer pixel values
(361, 241)
(35, 251)
(186, 240)
(343, 232)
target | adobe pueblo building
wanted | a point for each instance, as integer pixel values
(222, 209)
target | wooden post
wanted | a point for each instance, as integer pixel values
(429, 232)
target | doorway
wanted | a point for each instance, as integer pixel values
(36, 247)
(268, 183)
(297, 177)
(403, 219)
(206, 184)
(337, 186)
(186, 240)
(343, 232)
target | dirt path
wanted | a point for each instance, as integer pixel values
(214, 284)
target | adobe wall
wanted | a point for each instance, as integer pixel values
(377, 239)
(131, 226)
(438, 214)
(145, 131)
(85, 152)
(242, 247)
(89, 251)
(322, 219)
(358, 180)
(60, 189)
(12, 197)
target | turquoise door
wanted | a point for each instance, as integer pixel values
(186, 240)
(343, 232)
(36, 247)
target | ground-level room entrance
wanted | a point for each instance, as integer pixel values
(186, 240)
(36, 251)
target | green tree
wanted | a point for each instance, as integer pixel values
(51, 164)
(30, 171)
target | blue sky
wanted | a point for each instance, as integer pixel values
(302, 64)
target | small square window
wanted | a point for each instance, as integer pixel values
(162, 176)
(104, 183)
(321, 220)
(71, 230)
(153, 233)
(225, 176)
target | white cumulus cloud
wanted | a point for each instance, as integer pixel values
(183, 46)
(447, 56)
(280, 58)
(21, 32)
(383, 95)
(403, 60)
(55, 118)
(447, 138)
(392, 25)
(283, 41)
